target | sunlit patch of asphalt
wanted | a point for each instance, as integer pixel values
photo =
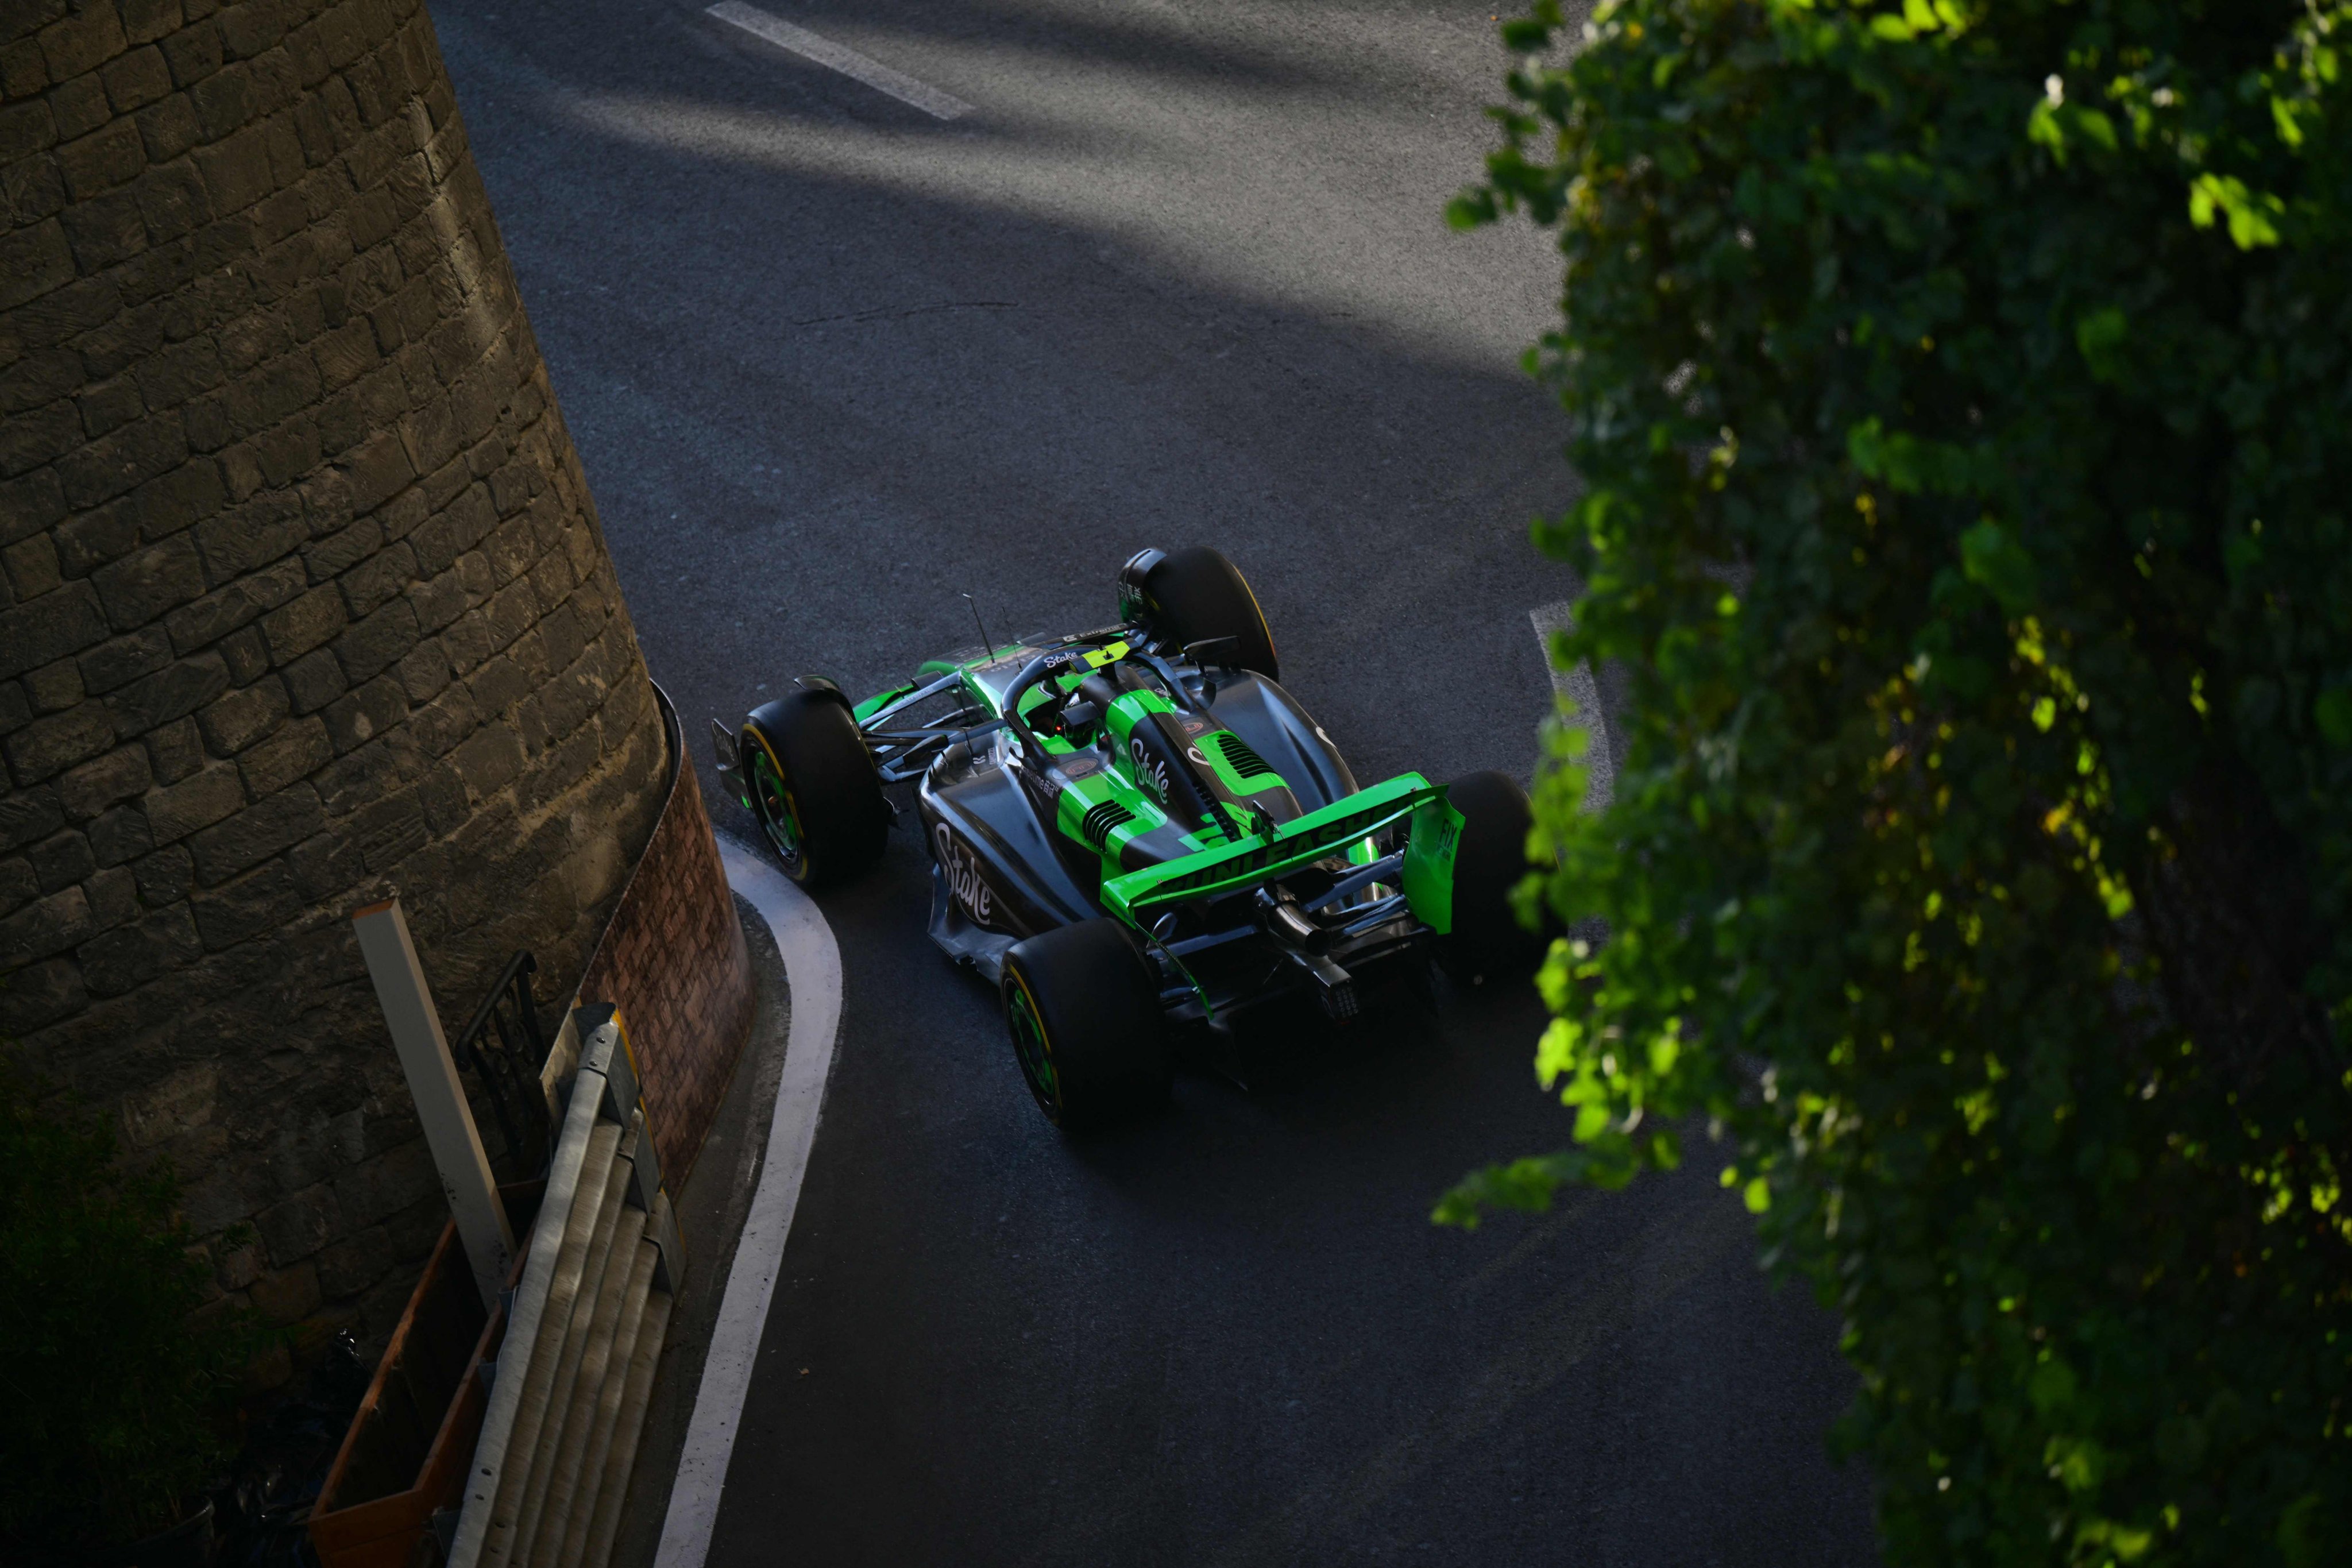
(1109, 149)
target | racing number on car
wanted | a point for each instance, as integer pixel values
(961, 868)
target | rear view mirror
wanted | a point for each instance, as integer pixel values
(1221, 649)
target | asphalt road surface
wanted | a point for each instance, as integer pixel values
(1177, 276)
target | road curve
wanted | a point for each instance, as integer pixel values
(1177, 276)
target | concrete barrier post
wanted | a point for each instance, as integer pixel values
(441, 1108)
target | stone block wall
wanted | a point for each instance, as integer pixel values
(303, 601)
(673, 960)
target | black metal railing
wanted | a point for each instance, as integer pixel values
(504, 1045)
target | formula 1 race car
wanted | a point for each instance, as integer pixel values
(1134, 829)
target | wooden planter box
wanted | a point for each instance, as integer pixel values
(406, 1452)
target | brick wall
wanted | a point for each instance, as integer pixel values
(302, 599)
(673, 960)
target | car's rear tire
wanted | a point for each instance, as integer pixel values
(1082, 1007)
(1487, 942)
(814, 788)
(1197, 595)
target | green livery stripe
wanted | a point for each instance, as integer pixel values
(1259, 856)
(1128, 711)
(876, 703)
(1148, 819)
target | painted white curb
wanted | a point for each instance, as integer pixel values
(813, 970)
(1577, 685)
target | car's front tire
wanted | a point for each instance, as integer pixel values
(813, 786)
(1082, 1007)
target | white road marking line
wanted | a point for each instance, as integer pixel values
(840, 57)
(1577, 685)
(813, 969)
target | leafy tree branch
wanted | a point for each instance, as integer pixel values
(1960, 392)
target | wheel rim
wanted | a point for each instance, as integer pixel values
(780, 815)
(1029, 1043)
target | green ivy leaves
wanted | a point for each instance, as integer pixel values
(2253, 216)
(1995, 561)
(1981, 876)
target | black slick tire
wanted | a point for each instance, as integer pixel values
(1196, 594)
(814, 789)
(1487, 942)
(1081, 1007)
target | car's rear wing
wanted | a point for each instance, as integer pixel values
(1263, 856)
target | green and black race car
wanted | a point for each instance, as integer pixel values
(1134, 829)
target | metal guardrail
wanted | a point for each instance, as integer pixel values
(505, 1045)
(574, 1377)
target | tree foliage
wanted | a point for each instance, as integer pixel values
(112, 1399)
(1961, 391)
